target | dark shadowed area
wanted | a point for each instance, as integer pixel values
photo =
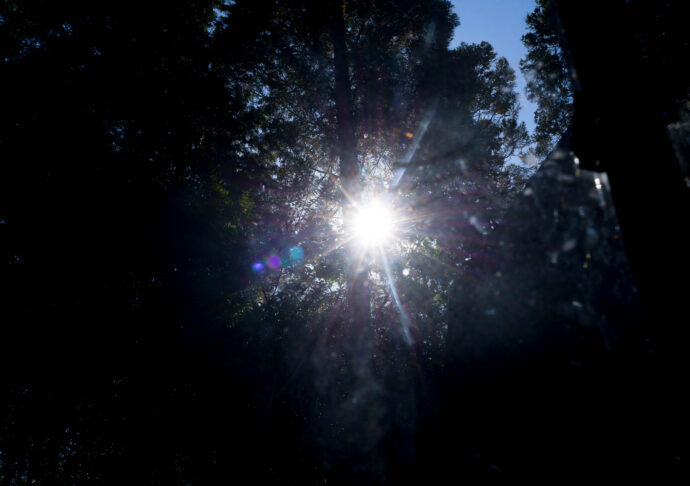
(287, 242)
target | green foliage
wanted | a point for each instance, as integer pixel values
(153, 155)
(548, 80)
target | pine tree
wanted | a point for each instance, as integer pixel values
(176, 220)
(549, 83)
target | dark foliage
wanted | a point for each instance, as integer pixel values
(177, 305)
(549, 82)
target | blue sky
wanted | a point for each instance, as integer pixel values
(501, 23)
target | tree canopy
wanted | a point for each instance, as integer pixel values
(549, 82)
(186, 300)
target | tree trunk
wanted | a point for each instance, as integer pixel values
(350, 177)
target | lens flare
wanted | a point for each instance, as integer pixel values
(373, 224)
(273, 262)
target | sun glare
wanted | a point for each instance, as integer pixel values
(372, 224)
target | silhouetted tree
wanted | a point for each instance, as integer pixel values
(178, 270)
(549, 84)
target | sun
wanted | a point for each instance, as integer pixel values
(372, 224)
